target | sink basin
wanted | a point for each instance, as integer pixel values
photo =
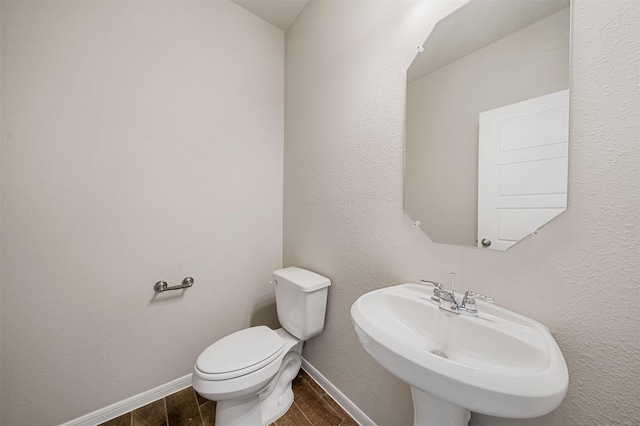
(498, 363)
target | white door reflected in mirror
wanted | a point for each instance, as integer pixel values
(522, 168)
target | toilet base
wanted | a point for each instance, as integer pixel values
(250, 411)
(278, 397)
(239, 412)
(268, 405)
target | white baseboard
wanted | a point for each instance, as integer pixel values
(119, 408)
(352, 409)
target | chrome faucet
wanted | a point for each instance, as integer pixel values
(446, 299)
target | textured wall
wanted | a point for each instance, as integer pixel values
(140, 141)
(344, 115)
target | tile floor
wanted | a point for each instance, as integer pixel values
(311, 407)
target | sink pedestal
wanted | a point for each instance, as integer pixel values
(429, 410)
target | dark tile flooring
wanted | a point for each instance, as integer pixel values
(312, 406)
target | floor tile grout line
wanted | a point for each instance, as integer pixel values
(198, 405)
(324, 400)
(166, 411)
(303, 413)
(312, 387)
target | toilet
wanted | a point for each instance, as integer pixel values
(249, 372)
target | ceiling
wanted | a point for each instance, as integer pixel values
(280, 13)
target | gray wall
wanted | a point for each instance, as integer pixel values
(141, 141)
(344, 117)
(441, 187)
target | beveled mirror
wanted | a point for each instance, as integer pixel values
(487, 127)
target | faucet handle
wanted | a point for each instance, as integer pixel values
(436, 284)
(469, 302)
(470, 296)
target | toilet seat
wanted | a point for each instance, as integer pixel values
(240, 353)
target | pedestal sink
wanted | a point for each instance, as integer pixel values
(498, 363)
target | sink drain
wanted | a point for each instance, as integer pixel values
(440, 354)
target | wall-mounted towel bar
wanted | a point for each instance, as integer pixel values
(161, 286)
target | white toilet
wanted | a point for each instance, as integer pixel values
(249, 372)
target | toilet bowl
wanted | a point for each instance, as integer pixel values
(249, 372)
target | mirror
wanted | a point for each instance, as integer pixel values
(487, 123)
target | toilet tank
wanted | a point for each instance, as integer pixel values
(301, 300)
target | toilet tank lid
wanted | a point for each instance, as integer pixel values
(301, 279)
